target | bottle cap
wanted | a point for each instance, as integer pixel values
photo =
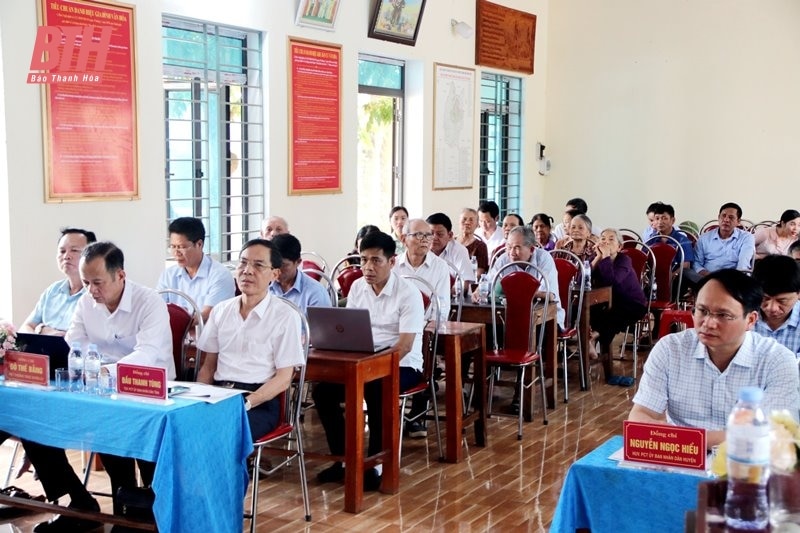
(75, 345)
(92, 348)
(751, 394)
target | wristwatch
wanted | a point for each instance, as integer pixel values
(247, 404)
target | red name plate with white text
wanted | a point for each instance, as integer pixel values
(145, 381)
(666, 445)
(26, 367)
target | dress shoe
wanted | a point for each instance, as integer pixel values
(332, 474)
(372, 480)
(415, 430)
(68, 524)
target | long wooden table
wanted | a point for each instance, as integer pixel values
(592, 297)
(353, 370)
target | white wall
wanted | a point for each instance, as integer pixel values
(29, 228)
(692, 103)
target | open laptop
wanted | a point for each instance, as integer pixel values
(342, 328)
(53, 345)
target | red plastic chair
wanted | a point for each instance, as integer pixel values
(180, 323)
(643, 262)
(570, 292)
(345, 272)
(672, 317)
(521, 346)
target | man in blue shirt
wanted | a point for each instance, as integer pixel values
(664, 222)
(779, 316)
(725, 247)
(292, 283)
(205, 281)
(53, 311)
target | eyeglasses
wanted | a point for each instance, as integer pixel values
(704, 313)
(180, 247)
(420, 235)
(260, 266)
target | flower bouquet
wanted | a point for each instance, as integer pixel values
(784, 482)
(8, 338)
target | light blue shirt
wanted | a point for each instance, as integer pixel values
(787, 334)
(714, 253)
(305, 291)
(55, 306)
(680, 379)
(544, 262)
(212, 284)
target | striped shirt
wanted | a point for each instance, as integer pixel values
(787, 334)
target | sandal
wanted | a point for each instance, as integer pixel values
(16, 492)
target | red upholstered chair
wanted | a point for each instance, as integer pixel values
(180, 322)
(643, 262)
(345, 272)
(288, 432)
(313, 260)
(325, 280)
(628, 236)
(681, 317)
(570, 292)
(429, 344)
(521, 347)
(669, 275)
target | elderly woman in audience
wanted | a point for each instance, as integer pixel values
(580, 242)
(511, 221)
(468, 222)
(397, 219)
(778, 239)
(612, 268)
(542, 226)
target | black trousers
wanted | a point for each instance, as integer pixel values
(329, 396)
(264, 417)
(610, 321)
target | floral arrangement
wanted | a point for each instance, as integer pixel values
(785, 453)
(8, 338)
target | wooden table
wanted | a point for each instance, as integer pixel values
(592, 297)
(353, 370)
(460, 338)
(482, 313)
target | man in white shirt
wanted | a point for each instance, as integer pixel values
(488, 230)
(418, 260)
(252, 341)
(449, 249)
(129, 323)
(272, 226)
(396, 312)
(205, 281)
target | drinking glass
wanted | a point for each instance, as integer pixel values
(62, 379)
(108, 384)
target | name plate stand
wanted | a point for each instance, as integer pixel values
(142, 381)
(664, 445)
(29, 368)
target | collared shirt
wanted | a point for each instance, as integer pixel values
(137, 332)
(250, 350)
(55, 306)
(212, 284)
(458, 255)
(304, 292)
(680, 379)
(714, 253)
(787, 333)
(768, 242)
(683, 241)
(433, 270)
(544, 262)
(397, 309)
(492, 242)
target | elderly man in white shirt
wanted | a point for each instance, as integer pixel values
(449, 249)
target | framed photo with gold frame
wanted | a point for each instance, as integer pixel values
(320, 14)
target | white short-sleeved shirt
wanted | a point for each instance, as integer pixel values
(433, 270)
(251, 350)
(212, 284)
(458, 255)
(397, 309)
(680, 379)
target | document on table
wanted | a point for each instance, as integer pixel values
(201, 392)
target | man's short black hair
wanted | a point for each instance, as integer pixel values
(579, 204)
(363, 230)
(741, 287)
(488, 206)
(113, 256)
(731, 205)
(652, 207)
(378, 239)
(90, 236)
(288, 246)
(275, 257)
(441, 219)
(777, 274)
(662, 209)
(190, 227)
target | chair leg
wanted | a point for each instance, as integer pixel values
(303, 476)
(12, 463)
(522, 395)
(491, 391)
(566, 383)
(254, 495)
(436, 420)
(402, 427)
(88, 471)
(542, 387)
(581, 366)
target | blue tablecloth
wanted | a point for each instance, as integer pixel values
(200, 449)
(604, 497)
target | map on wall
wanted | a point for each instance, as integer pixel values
(453, 127)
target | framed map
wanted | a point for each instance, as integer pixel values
(453, 126)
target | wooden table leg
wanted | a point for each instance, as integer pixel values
(354, 442)
(454, 399)
(390, 390)
(585, 334)
(479, 377)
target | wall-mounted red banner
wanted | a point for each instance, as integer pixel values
(145, 381)
(665, 445)
(315, 128)
(26, 367)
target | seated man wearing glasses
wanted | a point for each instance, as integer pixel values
(692, 378)
(205, 281)
(252, 341)
(419, 260)
(779, 276)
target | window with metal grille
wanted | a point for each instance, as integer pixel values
(500, 141)
(214, 130)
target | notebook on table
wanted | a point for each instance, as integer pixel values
(53, 345)
(343, 329)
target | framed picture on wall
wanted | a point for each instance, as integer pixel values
(397, 20)
(317, 13)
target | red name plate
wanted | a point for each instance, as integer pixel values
(146, 381)
(27, 368)
(661, 444)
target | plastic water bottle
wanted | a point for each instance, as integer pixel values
(587, 275)
(91, 369)
(483, 289)
(75, 367)
(748, 443)
(474, 262)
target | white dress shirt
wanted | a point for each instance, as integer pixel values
(491, 242)
(433, 270)
(137, 332)
(458, 255)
